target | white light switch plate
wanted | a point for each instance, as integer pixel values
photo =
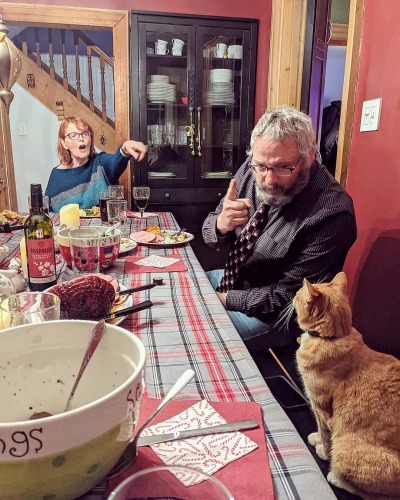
(371, 112)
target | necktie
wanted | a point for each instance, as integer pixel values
(241, 248)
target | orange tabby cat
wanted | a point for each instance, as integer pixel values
(354, 393)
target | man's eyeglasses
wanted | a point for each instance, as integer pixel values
(74, 136)
(284, 171)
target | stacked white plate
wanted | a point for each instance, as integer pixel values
(159, 90)
(161, 174)
(220, 91)
(216, 175)
(220, 75)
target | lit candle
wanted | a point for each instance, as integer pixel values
(69, 215)
(22, 249)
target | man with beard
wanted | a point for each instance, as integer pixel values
(284, 218)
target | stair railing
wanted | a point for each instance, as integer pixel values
(81, 67)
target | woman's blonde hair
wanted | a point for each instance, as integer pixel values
(63, 154)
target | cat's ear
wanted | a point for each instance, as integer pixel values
(312, 291)
(340, 280)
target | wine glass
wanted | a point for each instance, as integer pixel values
(141, 195)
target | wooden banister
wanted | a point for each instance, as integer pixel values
(81, 45)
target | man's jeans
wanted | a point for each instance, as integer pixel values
(256, 334)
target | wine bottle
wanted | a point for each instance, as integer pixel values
(39, 239)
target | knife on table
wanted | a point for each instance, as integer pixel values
(137, 289)
(132, 309)
(214, 429)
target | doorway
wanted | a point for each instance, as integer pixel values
(117, 22)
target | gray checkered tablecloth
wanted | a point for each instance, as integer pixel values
(187, 327)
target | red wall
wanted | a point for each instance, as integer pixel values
(255, 9)
(373, 264)
(376, 195)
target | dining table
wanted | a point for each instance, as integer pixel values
(188, 327)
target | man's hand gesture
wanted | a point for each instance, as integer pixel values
(235, 211)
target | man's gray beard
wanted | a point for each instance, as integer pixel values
(286, 195)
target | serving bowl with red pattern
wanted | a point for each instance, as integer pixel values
(109, 247)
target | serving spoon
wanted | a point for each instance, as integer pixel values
(97, 334)
(129, 455)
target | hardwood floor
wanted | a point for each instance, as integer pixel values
(301, 416)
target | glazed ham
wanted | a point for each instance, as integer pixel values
(145, 236)
(86, 297)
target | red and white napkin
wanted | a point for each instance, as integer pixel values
(157, 265)
(205, 453)
(247, 478)
(146, 215)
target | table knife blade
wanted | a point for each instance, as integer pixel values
(214, 429)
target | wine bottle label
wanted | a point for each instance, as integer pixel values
(41, 260)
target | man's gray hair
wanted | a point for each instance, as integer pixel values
(285, 122)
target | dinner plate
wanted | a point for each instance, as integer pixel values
(126, 245)
(127, 303)
(168, 242)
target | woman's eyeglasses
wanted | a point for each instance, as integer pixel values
(279, 171)
(74, 136)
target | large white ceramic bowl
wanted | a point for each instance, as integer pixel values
(65, 455)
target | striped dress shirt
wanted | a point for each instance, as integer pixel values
(307, 238)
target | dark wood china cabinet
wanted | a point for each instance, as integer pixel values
(192, 98)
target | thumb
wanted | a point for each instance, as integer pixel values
(231, 193)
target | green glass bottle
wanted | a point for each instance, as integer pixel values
(39, 240)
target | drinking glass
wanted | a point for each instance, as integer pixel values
(117, 212)
(141, 195)
(29, 307)
(103, 197)
(115, 191)
(85, 250)
(164, 482)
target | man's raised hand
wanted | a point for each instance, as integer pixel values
(235, 211)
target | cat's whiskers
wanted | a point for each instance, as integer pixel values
(285, 315)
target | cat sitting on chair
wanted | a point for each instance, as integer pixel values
(354, 393)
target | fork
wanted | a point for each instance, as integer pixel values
(129, 455)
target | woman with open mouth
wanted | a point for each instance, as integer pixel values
(83, 173)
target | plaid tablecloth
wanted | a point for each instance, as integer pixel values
(187, 327)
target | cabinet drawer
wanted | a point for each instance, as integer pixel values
(184, 196)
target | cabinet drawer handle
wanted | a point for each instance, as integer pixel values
(219, 195)
(198, 138)
(167, 195)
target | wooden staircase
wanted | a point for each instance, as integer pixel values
(58, 94)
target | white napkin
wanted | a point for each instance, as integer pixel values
(157, 261)
(205, 453)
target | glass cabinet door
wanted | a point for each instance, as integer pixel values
(219, 137)
(164, 97)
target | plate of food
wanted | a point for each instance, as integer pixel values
(154, 236)
(88, 213)
(126, 245)
(122, 302)
(11, 218)
(101, 299)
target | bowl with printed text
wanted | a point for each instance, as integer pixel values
(48, 453)
(109, 247)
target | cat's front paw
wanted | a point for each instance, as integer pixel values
(314, 439)
(339, 483)
(320, 450)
